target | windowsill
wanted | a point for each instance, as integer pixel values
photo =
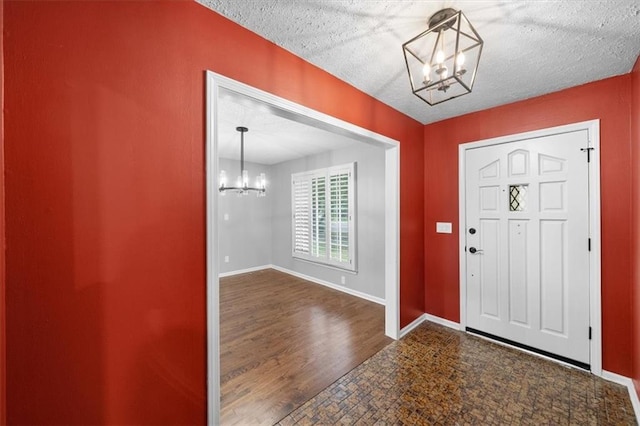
(326, 265)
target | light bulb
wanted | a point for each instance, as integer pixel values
(223, 178)
(440, 56)
(460, 59)
(263, 181)
(426, 70)
(245, 178)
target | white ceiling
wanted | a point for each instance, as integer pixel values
(271, 139)
(531, 47)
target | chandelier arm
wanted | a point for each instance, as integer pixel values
(463, 84)
(419, 36)
(406, 62)
(448, 99)
(435, 50)
(241, 188)
(414, 55)
(475, 70)
(241, 152)
(474, 38)
(450, 57)
(473, 46)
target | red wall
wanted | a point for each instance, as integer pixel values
(105, 195)
(635, 161)
(609, 100)
(2, 238)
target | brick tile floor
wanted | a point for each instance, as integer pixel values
(438, 376)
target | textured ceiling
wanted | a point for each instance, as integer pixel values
(271, 139)
(531, 47)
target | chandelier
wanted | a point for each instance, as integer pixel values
(442, 61)
(242, 183)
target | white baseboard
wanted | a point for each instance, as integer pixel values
(431, 318)
(625, 381)
(243, 271)
(442, 321)
(410, 327)
(330, 285)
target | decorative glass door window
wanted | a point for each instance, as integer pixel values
(518, 198)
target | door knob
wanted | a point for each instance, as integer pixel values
(474, 250)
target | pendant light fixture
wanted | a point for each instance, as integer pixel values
(242, 183)
(442, 61)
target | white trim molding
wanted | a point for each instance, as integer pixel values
(244, 271)
(212, 255)
(392, 242)
(331, 285)
(314, 280)
(625, 381)
(442, 321)
(592, 127)
(431, 318)
(218, 85)
(412, 326)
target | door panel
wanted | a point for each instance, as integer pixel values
(528, 281)
(552, 276)
(490, 268)
(518, 266)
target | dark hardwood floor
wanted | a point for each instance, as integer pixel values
(284, 339)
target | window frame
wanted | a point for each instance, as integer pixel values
(307, 176)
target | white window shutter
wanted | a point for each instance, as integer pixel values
(318, 219)
(301, 190)
(323, 225)
(339, 240)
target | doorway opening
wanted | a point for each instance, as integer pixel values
(218, 86)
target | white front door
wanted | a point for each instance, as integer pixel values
(527, 243)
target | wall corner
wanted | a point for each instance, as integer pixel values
(3, 346)
(635, 222)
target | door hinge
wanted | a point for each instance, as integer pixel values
(589, 244)
(588, 150)
(589, 333)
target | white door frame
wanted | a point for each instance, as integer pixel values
(592, 128)
(215, 83)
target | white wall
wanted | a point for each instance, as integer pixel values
(246, 236)
(370, 181)
(258, 230)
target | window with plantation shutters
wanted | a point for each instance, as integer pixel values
(301, 222)
(339, 212)
(323, 204)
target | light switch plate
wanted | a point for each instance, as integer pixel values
(443, 227)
